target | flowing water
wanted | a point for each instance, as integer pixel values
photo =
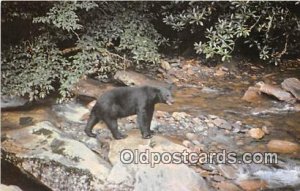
(221, 98)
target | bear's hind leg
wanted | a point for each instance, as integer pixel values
(112, 124)
(93, 120)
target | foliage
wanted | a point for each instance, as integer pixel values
(68, 40)
(50, 45)
(270, 27)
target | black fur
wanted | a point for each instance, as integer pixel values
(126, 101)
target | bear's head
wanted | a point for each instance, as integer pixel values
(165, 96)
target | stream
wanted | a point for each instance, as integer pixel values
(218, 97)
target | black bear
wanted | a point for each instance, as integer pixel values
(125, 101)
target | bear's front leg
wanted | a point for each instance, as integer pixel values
(142, 120)
(150, 112)
(112, 124)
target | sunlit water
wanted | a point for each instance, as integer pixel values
(221, 98)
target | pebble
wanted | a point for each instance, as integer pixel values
(187, 144)
(191, 136)
(218, 178)
(256, 133)
(265, 130)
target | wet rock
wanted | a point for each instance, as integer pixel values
(220, 72)
(276, 92)
(256, 133)
(223, 124)
(60, 163)
(273, 110)
(227, 186)
(12, 101)
(131, 78)
(9, 188)
(71, 111)
(292, 85)
(91, 88)
(212, 116)
(253, 185)
(237, 125)
(165, 65)
(26, 121)
(282, 146)
(265, 130)
(227, 171)
(209, 90)
(252, 94)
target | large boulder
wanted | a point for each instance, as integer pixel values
(131, 78)
(135, 140)
(252, 94)
(145, 176)
(282, 146)
(12, 101)
(275, 91)
(43, 152)
(91, 88)
(292, 85)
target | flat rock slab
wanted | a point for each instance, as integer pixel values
(134, 141)
(131, 78)
(12, 101)
(292, 85)
(60, 163)
(91, 88)
(144, 177)
(282, 146)
(277, 92)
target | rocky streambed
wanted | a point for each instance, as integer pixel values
(48, 146)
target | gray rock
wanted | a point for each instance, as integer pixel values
(228, 171)
(71, 111)
(221, 123)
(131, 78)
(60, 163)
(87, 87)
(12, 101)
(275, 91)
(292, 85)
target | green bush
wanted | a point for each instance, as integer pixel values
(271, 27)
(71, 39)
